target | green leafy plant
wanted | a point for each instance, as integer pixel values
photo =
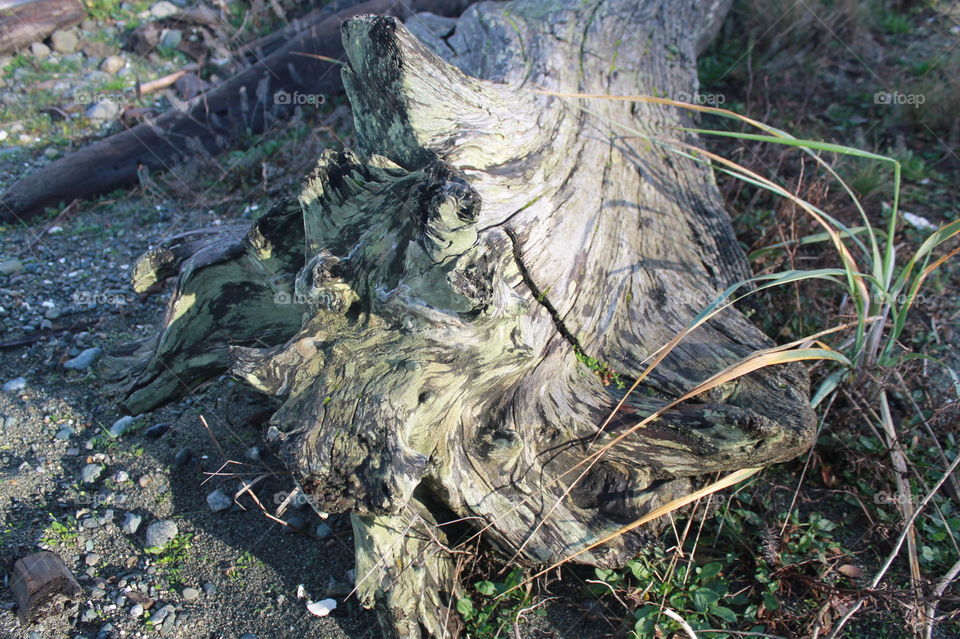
(171, 556)
(59, 532)
(495, 606)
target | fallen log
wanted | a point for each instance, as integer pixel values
(433, 308)
(25, 21)
(251, 101)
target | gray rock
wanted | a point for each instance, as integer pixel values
(103, 110)
(113, 64)
(106, 631)
(323, 531)
(190, 594)
(161, 533)
(219, 501)
(209, 589)
(163, 9)
(184, 456)
(136, 611)
(248, 635)
(15, 385)
(168, 624)
(295, 523)
(121, 426)
(157, 431)
(64, 41)
(121, 476)
(39, 50)
(91, 473)
(84, 359)
(160, 615)
(88, 615)
(171, 39)
(64, 433)
(131, 523)
(9, 267)
(92, 559)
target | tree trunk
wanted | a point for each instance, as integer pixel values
(420, 309)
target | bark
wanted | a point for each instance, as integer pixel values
(431, 290)
(245, 103)
(25, 21)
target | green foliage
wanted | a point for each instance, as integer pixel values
(606, 374)
(170, 558)
(494, 606)
(59, 532)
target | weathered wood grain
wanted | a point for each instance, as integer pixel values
(446, 273)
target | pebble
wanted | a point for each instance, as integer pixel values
(171, 39)
(64, 433)
(248, 635)
(121, 476)
(131, 523)
(88, 615)
(92, 559)
(113, 64)
(39, 50)
(105, 631)
(323, 607)
(84, 359)
(15, 385)
(161, 533)
(190, 594)
(184, 456)
(103, 110)
(323, 531)
(295, 524)
(121, 426)
(9, 267)
(64, 41)
(91, 473)
(253, 453)
(136, 611)
(163, 9)
(209, 589)
(160, 615)
(157, 431)
(219, 501)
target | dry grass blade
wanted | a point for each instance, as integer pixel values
(729, 480)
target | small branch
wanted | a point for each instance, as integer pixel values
(938, 591)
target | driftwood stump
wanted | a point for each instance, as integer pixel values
(420, 307)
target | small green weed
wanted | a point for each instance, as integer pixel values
(606, 374)
(59, 532)
(486, 614)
